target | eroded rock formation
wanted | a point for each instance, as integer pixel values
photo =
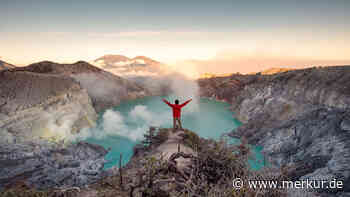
(42, 104)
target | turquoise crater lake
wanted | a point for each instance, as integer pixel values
(122, 127)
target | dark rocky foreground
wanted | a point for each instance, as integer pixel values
(40, 105)
(49, 166)
(175, 163)
(300, 117)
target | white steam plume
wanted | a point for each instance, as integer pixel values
(114, 123)
(183, 89)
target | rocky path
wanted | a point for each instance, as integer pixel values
(171, 146)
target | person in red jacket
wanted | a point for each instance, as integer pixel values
(177, 111)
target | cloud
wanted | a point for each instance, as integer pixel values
(123, 34)
(141, 114)
(132, 126)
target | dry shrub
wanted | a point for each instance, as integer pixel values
(211, 172)
(21, 189)
(191, 139)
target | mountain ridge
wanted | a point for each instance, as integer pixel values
(106, 89)
(125, 66)
(4, 65)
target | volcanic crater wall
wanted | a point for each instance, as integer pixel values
(300, 117)
(43, 103)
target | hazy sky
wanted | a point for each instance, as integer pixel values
(176, 30)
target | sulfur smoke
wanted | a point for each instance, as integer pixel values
(137, 121)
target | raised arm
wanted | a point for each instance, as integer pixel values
(185, 103)
(167, 102)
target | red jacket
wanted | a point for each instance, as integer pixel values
(176, 108)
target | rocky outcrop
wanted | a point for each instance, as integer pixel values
(226, 88)
(46, 165)
(293, 92)
(299, 117)
(314, 143)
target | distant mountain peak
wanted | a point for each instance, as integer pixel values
(112, 58)
(119, 58)
(120, 64)
(48, 67)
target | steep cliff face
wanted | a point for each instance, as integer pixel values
(300, 117)
(226, 88)
(290, 92)
(37, 111)
(316, 144)
(252, 94)
(35, 104)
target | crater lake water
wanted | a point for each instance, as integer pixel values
(122, 127)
